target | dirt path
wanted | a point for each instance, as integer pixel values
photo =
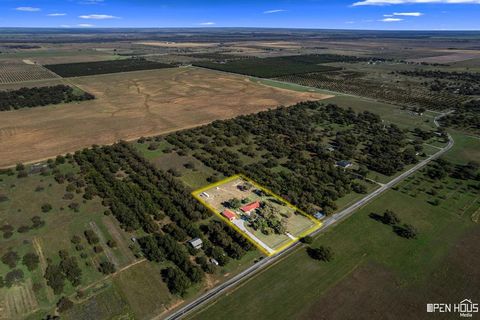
(43, 266)
(108, 251)
(114, 231)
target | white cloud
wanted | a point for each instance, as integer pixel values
(208, 23)
(85, 25)
(274, 11)
(391, 20)
(98, 17)
(388, 15)
(390, 2)
(56, 14)
(408, 14)
(27, 9)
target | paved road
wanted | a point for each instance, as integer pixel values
(213, 293)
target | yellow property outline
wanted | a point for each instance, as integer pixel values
(196, 195)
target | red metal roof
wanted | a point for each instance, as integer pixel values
(250, 206)
(228, 214)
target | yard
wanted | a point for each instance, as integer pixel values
(267, 220)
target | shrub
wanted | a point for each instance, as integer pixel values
(31, 261)
(10, 258)
(46, 207)
(321, 253)
(64, 304)
(107, 267)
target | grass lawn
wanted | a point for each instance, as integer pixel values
(142, 287)
(465, 149)
(294, 285)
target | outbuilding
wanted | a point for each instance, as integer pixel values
(196, 243)
(229, 214)
(251, 206)
(344, 164)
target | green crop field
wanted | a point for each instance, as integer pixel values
(103, 67)
(272, 67)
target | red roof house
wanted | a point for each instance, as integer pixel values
(229, 215)
(251, 206)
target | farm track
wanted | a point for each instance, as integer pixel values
(108, 251)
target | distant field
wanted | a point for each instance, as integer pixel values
(140, 103)
(14, 71)
(103, 67)
(274, 67)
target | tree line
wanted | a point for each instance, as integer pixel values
(40, 96)
(143, 197)
(288, 150)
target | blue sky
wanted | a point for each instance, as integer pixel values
(339, 14)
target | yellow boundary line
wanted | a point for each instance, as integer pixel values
(196, 195)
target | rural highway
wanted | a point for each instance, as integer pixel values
(262, 264)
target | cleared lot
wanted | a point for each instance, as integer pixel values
(134, 104)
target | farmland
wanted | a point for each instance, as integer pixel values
(14, 71)
(102, 67)
(276, 67)
(41, 214)
(206, 152)
(353, 83)
(408, 272)
(142, 103)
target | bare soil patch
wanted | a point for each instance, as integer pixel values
(134, 104)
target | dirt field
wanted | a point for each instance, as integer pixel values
(178, 44)
(130, 105)
(450, 56)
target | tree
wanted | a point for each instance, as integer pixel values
(107, 267)
(406, 231)
(390, 218)
(55, 278)
(91, 237)
(64, 304)
(321, 253)
(31, 261)
(71, 270)
(10, 258)
(13, 277)
(234, 203)
(112, 243)
(176, 280)
(306, 240)
(46, 207)
(76, 239)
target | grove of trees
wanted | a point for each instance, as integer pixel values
(40, 96)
